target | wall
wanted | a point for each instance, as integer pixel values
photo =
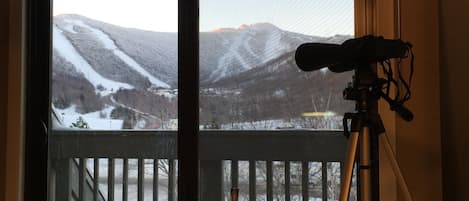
(4, 18)
(386, 25)
(11, 118)
(418, 144)
(454, 54)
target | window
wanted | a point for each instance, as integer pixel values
(79, 147)
(252, 90)
(248, 77)
(112, 71)
(114, 89)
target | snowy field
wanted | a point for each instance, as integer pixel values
(325, 123)
(132, 179)
(100, 120)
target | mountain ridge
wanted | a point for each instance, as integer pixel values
(221, 53)
(98, 65)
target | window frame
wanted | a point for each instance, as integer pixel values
(38, 57)
(38, 43)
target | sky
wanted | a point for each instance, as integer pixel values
(310, 17)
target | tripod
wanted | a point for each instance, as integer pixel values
(366, 90)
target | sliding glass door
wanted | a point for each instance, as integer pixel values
(264, 130)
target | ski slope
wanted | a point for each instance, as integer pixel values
(65, 49)
(100, 120)
(110, 45)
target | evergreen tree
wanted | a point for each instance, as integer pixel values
(81, 123)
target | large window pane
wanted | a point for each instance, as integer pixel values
(249, 81)
(114, 68)
(248, 76)
(114, 64)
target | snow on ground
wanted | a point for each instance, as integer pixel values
(99, 120)
(168, 93)
(259, 125)
(272, 49)
(231, 56)
(162, 182)
(65, 49)
(324, 123)
(69, 28)
(248, 48)
(110, 45)
(133, 168)
(132, 179)
(263, 197)
(219, 91)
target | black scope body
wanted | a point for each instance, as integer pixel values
(350, 55)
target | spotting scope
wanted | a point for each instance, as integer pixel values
(350, 55)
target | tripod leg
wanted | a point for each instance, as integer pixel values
(395, 166)
(348, 166)
(365, 164)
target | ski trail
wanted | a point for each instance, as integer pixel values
(229, 57)
(65, 49)
(272, 49)
(110, 45)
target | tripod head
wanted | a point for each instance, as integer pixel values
(367, 86)
(365, 89)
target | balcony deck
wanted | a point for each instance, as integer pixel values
(245, 151)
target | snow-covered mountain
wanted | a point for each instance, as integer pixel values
(229, 51)
(101, 54)
(226, 52)
(97, 65)
(136, 57)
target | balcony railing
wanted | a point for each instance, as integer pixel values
(81, 161)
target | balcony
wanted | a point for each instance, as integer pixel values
(264, 165)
